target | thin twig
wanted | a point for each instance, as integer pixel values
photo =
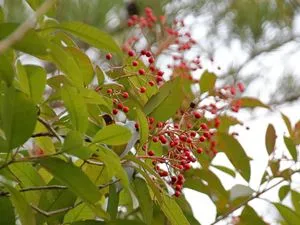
(20, 32)
(49, 127)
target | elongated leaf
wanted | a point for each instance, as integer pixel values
(283, 191)
(113, 135)
(113, 164)
(172, 211)
(36, 85)
(207, 81)
(287, 123)
(250, 217)
(296, 201)
(73, 178)
(76, 107)
(6, 211)
(290, 217)
(270, 138)
(225, 170)
(6, 68)
(66, 62)
(162, 105)
(113, 202)
(291, 147)
(91, 35)
(19, 115)
(143, 126)
(22, 207)
(236, 154)
(144, 198)
(248, 102)
(116, 222)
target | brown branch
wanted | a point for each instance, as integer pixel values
(20, 32)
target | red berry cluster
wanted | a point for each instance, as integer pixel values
(119, 99)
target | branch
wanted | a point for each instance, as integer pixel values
(49, 127)
(20, 32)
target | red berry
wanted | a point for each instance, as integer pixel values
(125, 109)
(151, 120)
(178, 187)
(193, 134)
(199, 150)
(173, 179)
(241, 87)
(151, 83)
(232, 90)
(151, 60)
(141, 71)
(187, 166)
(143, 89)
(182, 137)
(163, 173)
(115, 111)
(136, 125)
(177, 194)
(189, 140)
(180, 177)
(125, 94)
(155, 139)
(160, 73)
(108, 56)
(150, 153)
(206, 134)
(120, 106)
(135, 63)
(160, 124)
(143, 52)
(203, 126)
(131, 53)
(109, 91)
(148, 54)
(202, 139)
(197, 115)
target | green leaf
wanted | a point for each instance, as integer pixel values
(250, 217)
(22, 207)
(287, 123)
(283, 191)
(113, 135)
(76, 107)
(290, 217)
(143, 126)
(162, 106)
(113, 164)
(144, 198)
(270, 138)
(34, 4)
(31, 43)
(248, 102)
(91, 35)
(66, 63)
(236, 154)
(36, 82)
(28, 176)
(172, 211)
(225, 170)
(6, 211)
(19, 116)
(113, 201)
(296, 200)
(100, 75)
(6, 68)
(291, 147)
(73, 145)
(73, 178)
(115, 222)
(207, 81)
(84, 63)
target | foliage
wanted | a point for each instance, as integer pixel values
(115, 140)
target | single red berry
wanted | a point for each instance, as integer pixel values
(206, 134)
(141, 71)
(189, 140)
(173, 179)
(203, 126)
(180, 177)
(197, 115)
(182, 137)
(136, 125)
(135, 63)
(160, 73)
(232, 90)
(125, 95)
(131, 53)
(120, 106)
(202, 139)
(177, 194)
(148, 54)
(163, 173)
(108, 56)
(241, 87)
(155, 139)
(151, 60)
(143, 52)
(160, 124)
(151, 120)
(178, 187)
(125, 109)
(151, 83)
(199, 150)
(115, 111)
(151, 153)
(109, 91)
(193, 134)
(143, 89)
(187, 166)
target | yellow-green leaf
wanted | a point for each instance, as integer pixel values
(270, 138)
(113, 135)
